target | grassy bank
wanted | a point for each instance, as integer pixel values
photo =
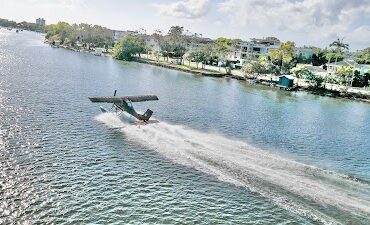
(184, 68)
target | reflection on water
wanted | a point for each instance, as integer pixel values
(59, 164)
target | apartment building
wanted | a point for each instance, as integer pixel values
(253, 48)
(40, 21)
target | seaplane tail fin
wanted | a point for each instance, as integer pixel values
(146, 116)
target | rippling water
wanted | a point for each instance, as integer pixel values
(223, 153)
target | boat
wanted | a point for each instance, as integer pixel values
(55, 44)
(98, 51)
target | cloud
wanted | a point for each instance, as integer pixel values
(59, 4)
(317, 18)
(189, 9)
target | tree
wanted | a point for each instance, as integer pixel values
(221, 47)
(318, 56)
(93, 35)
(336, 54)
(60, 31)
(200, 54)
(226, 42)
(196, 55)
(344, 74)
(301, 72)
(156, 54)
(166, 47)
(363, 57)
(247, 69)
(128, 47)
(339, 46)
(314, 80)
(177, 41)
(283, 56)
(256, 68)
(359, 80)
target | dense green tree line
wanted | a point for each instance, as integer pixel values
(363, 56)
(128, 47)
(83, 33)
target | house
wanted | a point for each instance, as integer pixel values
(305, 52)
(119, 34)
(316, 70)
(362, 68)
(253, 48)
(286, 81)
(333, 67)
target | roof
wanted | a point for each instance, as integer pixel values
(290, 77)
(341, 63)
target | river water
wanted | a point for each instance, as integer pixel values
(224, 152)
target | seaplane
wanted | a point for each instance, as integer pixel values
(124, 104)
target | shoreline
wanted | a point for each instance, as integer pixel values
(272, 84)
(182, 68)
(210, 73)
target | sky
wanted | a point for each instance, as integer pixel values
(306, 22)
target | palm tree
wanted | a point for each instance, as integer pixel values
(339, 45)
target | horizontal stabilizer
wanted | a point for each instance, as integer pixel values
(146, 116)
(138, 98)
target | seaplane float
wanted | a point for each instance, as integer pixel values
(124, 104)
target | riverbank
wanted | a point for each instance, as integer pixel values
(331, 90)
(183, 68)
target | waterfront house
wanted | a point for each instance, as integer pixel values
(316, 70)
(253, 48)
(120, 34)
(333, 67)
(362, 68)
(286, 81)
(305, 52)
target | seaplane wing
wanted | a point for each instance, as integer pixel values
(138, 98)
(124, 104)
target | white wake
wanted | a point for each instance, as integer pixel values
(297, 187)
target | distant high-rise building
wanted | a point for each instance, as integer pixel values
(40, 21)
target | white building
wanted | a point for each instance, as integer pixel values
(119, 34)
(253, 49)
(40, 21)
